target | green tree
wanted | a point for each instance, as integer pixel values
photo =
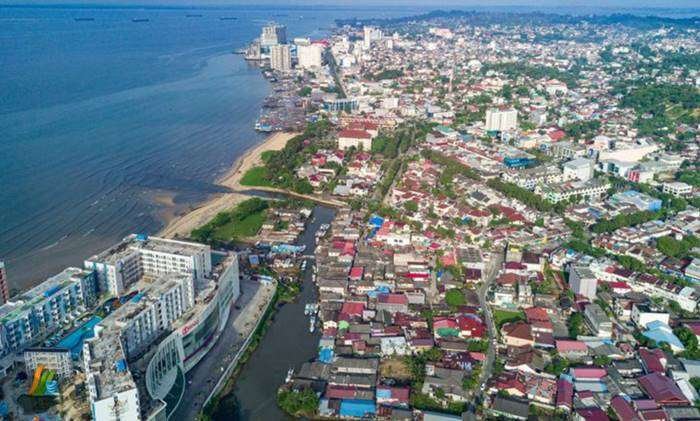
(298, 402)
(575, 325)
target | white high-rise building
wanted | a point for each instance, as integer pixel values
(582, 281)
(111, 388)
(371, 34)
(281, 58)
(501, 120)
(310, 56)
(137, 255)
(273, 34)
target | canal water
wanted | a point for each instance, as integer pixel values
(286, 344)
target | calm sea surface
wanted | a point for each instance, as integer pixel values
(107, 126)
(104, 122)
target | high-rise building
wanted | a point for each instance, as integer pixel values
(310, 56)
(281, 58)
(273, 34)
(137, 255)
(371, 34)
(163, 333)
(46, 308)
(501, 120)
(112, 390)
(582, 281)
(4, 285)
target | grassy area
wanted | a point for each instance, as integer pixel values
(243, 221)
(246, 227)
(256, 176)
(455, 298)
(501, 317)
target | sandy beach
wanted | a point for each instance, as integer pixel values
(184, 224)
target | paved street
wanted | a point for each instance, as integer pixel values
(491, 271)
(203, 377)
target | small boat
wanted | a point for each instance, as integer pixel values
(303, 265)
(312, 324)
(228, 18)
(290, 374)
(193, 16)
(307, 309)
(138, 20)
(83, 19)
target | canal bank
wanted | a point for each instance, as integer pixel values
(286, 344)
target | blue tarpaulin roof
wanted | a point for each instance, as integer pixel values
(376, 220)
(325, 355)
(287, 248)
(377, 291)
(661, 332)
(356, 408)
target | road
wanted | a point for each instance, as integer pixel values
(203, 377)
(495, 263)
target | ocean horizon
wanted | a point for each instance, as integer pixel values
(111, 126)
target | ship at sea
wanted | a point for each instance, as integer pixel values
(228, 18)
(137, 20)
(83, 19)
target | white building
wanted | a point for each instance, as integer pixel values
(349, 138)
(161, 332)
(281, 57)
(273, 34)
(136, 256)
(582, 281)
(310, 56)
(143, 319)
(371, 34)
(578, 169)
(111, 388)
(678, 189)
(589, 190)
(628, 152)
(55, 359)
(642, 315)
(501, 120)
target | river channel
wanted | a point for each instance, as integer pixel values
(286, 344)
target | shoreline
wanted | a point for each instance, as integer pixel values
(182, 225)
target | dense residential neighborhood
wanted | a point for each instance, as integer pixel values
(521, 236)
(513, 232)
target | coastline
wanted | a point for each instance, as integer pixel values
(182, 225)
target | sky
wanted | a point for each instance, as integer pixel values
(433, 4)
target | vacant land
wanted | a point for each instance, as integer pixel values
(502, 317)
(395, 369)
